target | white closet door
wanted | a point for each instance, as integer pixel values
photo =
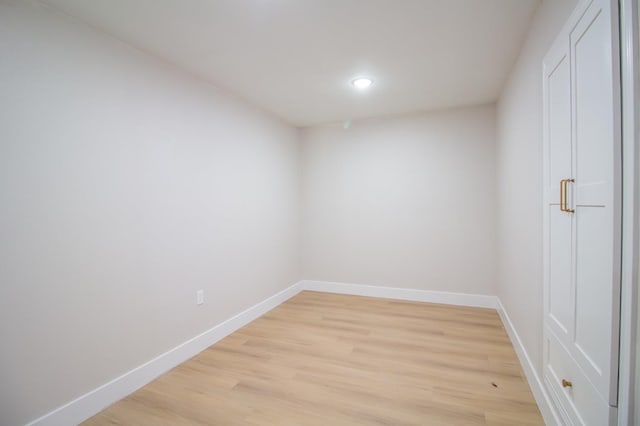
(582, 226)
(596, 195)
(559, 297)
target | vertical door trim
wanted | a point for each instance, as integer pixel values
(630, 82)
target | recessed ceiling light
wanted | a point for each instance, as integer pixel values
(361, 82)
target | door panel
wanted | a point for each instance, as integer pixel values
(592, 77)
(559, 119)
(594, 233)
(581, 403)
(593, 253)
(560, 295)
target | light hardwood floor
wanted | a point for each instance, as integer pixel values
(328, 359)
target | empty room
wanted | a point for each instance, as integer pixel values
(319, 212)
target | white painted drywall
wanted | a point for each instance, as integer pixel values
(519, 166)
(125, 187)
(296, 57)
(402, 202)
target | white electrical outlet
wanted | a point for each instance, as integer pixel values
(199, 297)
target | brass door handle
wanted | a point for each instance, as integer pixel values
(563, 196)
(566, 384)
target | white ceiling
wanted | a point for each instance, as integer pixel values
(295, 58)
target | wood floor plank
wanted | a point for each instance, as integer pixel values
(330, 359)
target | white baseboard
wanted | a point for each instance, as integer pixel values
(543, 399)
(460, 299)
(98, 399)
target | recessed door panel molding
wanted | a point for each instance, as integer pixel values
(557, 154)
(593, 299)
(582, 218)
(559, 121)
(561, 294)
(593, 103)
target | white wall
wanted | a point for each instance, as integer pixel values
(519, 165)
(124, 187)
(404, 202)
